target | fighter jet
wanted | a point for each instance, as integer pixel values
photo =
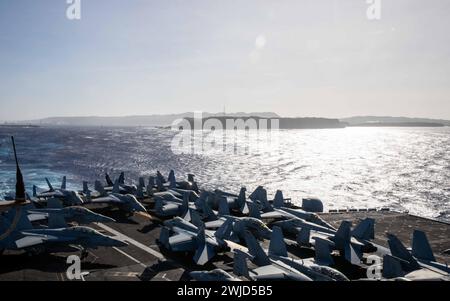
(168, 205)
(123, 188)
(268, 268)
(190, 184)
(20, 235)
(277, 257)
(69, 197)
(240, 224)
(187, 237)
(279, 210)
(235, 202)
(351, 243)
(20, 197)
(127, 202)
(417, 264)
(295, 225)
(214, 275)
(77, 214)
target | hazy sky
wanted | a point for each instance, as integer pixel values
(293, 57)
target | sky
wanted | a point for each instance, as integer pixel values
(293, 57)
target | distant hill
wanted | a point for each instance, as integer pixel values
(394, 121)
(284, 123)
(138, 120)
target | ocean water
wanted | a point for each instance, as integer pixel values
(401, 168)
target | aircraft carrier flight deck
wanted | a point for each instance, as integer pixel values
(145, 260)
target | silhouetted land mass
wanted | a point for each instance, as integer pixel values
(7, 125)
(165, 120)
(393, 120)
(253, 122)
(397, 124)
(137, 120)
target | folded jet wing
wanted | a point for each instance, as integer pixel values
(32, 239)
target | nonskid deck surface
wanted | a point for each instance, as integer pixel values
(144, 260)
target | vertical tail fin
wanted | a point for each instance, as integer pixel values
(365, 229)
(204, 254)
(303, 236)
(342, 236)
(240, 267)
(159, 184)
(278, 201)
(224, 209)
(151, 181)
(195, 187)
(241, 201)
(207, 211)
(323, 252)
(263, 200)
(34, 191)
(122, 178)
(277, 245)
(64, 183)
(151, 184)
(241, 198)
(116, 187)
(20, 185)
(253, 210)
(88, 196)
(224, 230)
(185, 203)
(193, 217)
(392, 267)
(141, 181)
(49, 184)
(353, 254)
(140, 191)
(109, 182)
(99, 187)
(172, 180)
(85, 187)
(399, 250)
(204, 251)
(160, 177)
(421, 247)
(260, 257)
(343, 243)
(190, 178)
(255, 194)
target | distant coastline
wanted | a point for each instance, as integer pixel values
(283, 123)
(397, 124)
(166, 120)
(13, 125)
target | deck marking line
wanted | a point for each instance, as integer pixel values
(128, 239)
(129, 256)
